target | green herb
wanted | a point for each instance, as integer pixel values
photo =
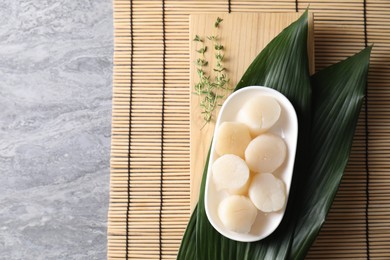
(197, 39)
(202, 50)
(201, 62)
(211, 90)
(218, 47)
(216, 24)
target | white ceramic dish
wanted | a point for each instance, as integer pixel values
(286, 128)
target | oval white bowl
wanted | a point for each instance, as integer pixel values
(286, 128)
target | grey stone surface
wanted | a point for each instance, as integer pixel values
(55, 120)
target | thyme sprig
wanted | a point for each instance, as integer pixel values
(210, 89)
(217, 22)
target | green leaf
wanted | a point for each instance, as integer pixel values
(338, 93)
(282, 65)
(187, 250)
(197, 39)
(219, 20)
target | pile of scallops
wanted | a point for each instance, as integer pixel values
(248, 156)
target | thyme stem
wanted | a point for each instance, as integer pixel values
(210, 90)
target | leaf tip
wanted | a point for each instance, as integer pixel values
(305, 15)
(365, 53)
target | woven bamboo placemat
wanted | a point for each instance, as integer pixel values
(150, 178)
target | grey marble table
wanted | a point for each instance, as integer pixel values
(55, 116)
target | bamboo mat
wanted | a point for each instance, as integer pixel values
(150, 160)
